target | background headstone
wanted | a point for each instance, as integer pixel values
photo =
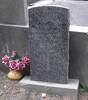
(49, 43)
(79, 56)
(13, 12)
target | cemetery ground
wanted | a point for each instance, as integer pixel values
(11, 90)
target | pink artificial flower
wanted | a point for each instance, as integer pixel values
(20, 66)
(5, 59)
(25, 60)
(14, 53)
(16, 65)
(13, 64)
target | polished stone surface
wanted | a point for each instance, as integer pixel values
(49, 43)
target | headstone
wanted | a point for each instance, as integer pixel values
(79, 57)
(13, 12)
(49, 43)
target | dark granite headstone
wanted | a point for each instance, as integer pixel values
(49, 43)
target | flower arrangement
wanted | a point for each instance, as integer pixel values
(16, 62)
(17, 65)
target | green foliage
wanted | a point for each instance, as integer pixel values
(83, 88)
(6, 51)
(16, 57)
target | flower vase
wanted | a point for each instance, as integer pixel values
(14, 75)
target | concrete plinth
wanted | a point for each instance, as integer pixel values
(70, 89)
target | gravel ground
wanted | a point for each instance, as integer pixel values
(11, 90)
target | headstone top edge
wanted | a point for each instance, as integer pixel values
(59, 6)
(47, 3)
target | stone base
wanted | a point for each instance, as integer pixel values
(69, 89)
